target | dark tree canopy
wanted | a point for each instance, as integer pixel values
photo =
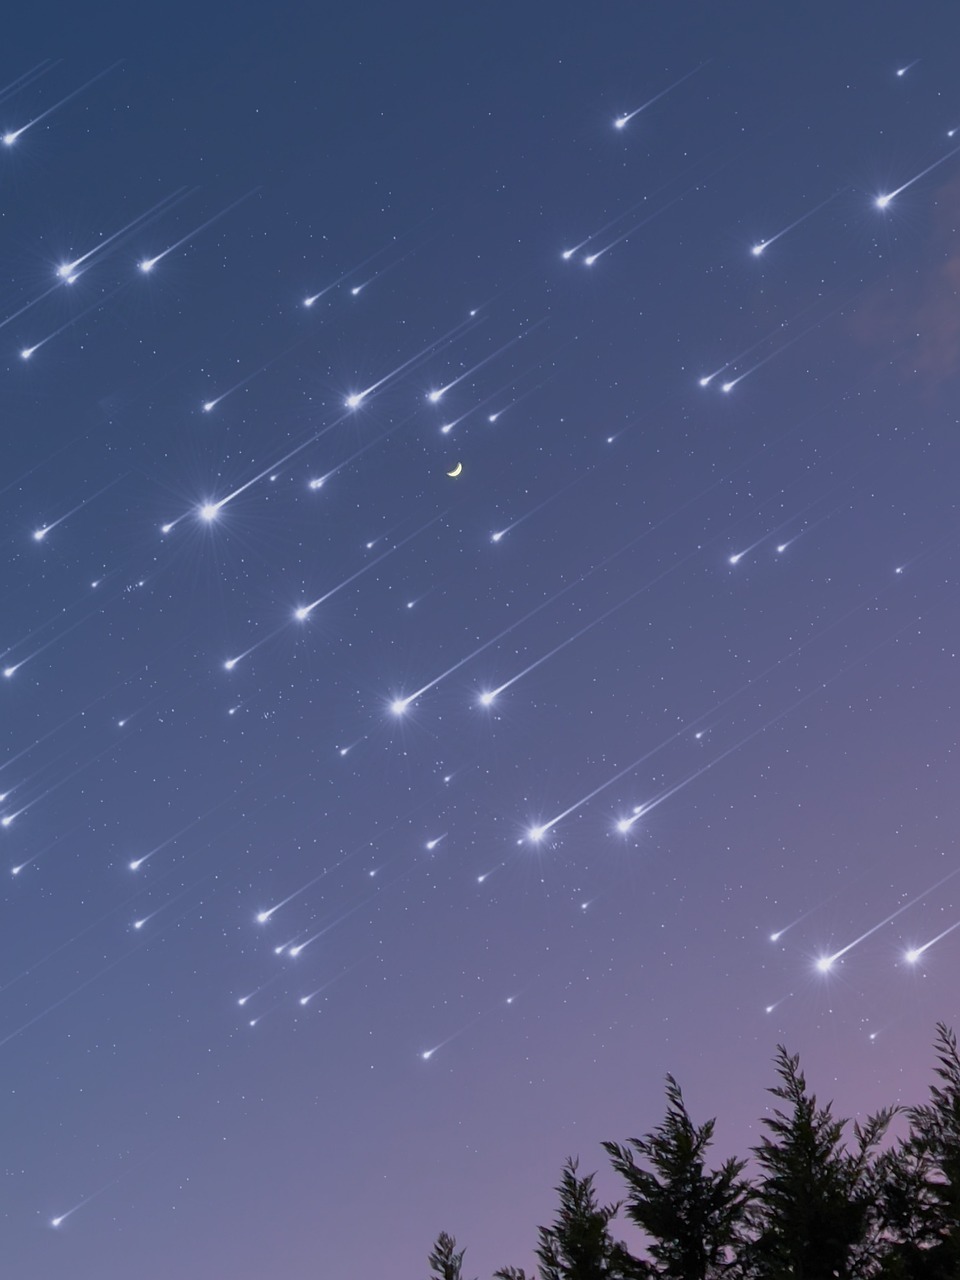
(828, 1200)
(814, 1212)
(579, 1246)
(445, 1262)
(692, 1215)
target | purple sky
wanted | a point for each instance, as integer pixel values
(725, 620)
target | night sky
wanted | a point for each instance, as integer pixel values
(375, 837)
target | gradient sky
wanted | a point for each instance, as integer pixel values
(738, 608)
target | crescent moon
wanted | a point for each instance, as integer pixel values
(456, 470)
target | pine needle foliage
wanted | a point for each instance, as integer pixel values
(814, 1214)
(692, 1216)
(579, 1246)
(446, 1262)
(828, 1200)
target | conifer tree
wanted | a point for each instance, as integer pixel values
(816, 1212)
(579, 1246)
(445, 1261)
(923, 1190)
(692, 1216)
(821, 1207)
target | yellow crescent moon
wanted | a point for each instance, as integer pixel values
(456, 470)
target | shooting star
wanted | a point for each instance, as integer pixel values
(303, 612)
(209, 405)
(27, 78)
(137, 863)
(762, 245)
(621, 122)
(538, 832)
(146, 265)
(826, 962)
(439, 392)
(27, 352)
(728, 386)
(914, 954)
(884, 200)
(591, 258)
(12, 135)
(69, 271)
(489, 696)
(502, 533)
(356, 398)
(40, 534)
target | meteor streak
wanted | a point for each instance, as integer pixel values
(244, 1000)
(26, 307)
(488, 697)
(826, 963)
(123, 959)
(400, 704)
(624, 825)
(501, 533)
(762, 245)
(439, 392)
(738, 555)
(11, 670)
(567, 254)
(217, 506)
(15, 871)
(68, 270)
(263, 917)
(304, 611)
(8, 818)
(591, 258)
(426, 1054)
(355, 399)
(208, 405)
(882, 201)
(28, 77)
(10, 138)
(58, 1221)
(775, 937)
(147, 264)
(305, 1000)
(137, 863)
(807, 528)
(727, 387)
(622, 121)
(302, 946)
(138, 924)
(27, 352)
(57, 727)
(40, 534)
(741, 355)
(914, 954)
(309, 301)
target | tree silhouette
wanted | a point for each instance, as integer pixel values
(579, 1245)
(922, 1194)
(820, 1208)
(815, 1212)
(908, 1213)
(446, 1262)
(692, 1216)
